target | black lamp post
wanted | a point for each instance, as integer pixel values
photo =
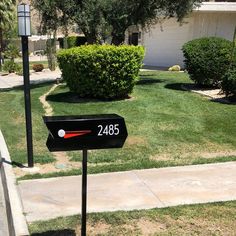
(23, 14)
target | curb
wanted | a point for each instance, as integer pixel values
(16, 220)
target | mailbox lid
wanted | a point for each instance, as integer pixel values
(80, 117)
(85, 132)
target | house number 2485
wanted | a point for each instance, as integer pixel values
(108, 130)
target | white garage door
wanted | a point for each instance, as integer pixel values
(163, 47)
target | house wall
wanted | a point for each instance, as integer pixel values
(163, 43)
(214, 24)
(163, 47)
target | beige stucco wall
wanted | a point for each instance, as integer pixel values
(214, 24)
(163, 47)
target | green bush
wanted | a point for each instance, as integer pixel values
(37, 67)
(101, 71)
(229, 82)
(207, 59)
(11, 66)
(19, 70)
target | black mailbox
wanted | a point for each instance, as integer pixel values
(68, 133)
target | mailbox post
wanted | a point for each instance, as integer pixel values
(67, 133)
(23, 12)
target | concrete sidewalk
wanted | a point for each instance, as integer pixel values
(139, 189)
(13, 80)
(3, 212)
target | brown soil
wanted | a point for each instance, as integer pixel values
(150, 227)
(138, 227)
(206, 155)
(97, 229)
(134, 140)
(46, 106)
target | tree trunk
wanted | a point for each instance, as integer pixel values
(91, 37)
(51, 51)
(65, 40)
(234, 46)
(118, 38)
(1, 47)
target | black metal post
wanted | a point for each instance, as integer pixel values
(84, 193)
(28, 119)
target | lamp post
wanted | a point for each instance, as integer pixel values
(23, 15)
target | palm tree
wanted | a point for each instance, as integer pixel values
(6, 18)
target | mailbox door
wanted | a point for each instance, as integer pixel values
(85, 132)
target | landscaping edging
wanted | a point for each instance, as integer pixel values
(16, 220)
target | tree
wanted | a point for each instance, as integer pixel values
(89, 18)
(54, 14)
(65, 9)
(49, 25)
(6, 19)
(121, 14)
(117, 15)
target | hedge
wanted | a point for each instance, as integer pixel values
(101, 71)
(208, 59)
(229, 82)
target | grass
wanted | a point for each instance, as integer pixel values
(12, 124)
(202, 219)
(164, 122)
(167, 126)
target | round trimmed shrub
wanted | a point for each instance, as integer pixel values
(207, 59)
(101, 71)
(229, 82)
(37, 67)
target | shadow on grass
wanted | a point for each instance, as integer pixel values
(147, 81)
(64, 232)
(70, 97)
(225, 100)
(177, 86)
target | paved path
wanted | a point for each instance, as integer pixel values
(13, 80)
(139, 189)
(3, 216)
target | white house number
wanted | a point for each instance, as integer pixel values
(108, 130)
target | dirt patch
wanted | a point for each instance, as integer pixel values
(206, 155)
(97, 229)
(150, 227)
(58, 166)
(217, 154)
(46, 106)
(134, 140)
(134, 227)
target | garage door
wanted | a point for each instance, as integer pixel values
(163, 46)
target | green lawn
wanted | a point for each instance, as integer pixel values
(205, 219)
(12, 124)
(167, 126)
